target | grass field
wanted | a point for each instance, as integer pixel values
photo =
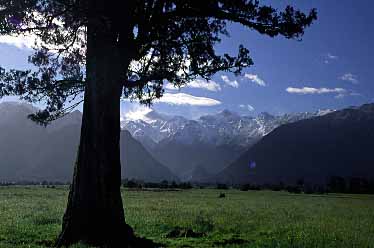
(31, 217)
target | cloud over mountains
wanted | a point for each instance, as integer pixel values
(311, 90)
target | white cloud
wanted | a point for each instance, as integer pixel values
(349, 77)
(198, 84)
(137, 113)
(340, 96)
(232, 83)
(330, 57)
(19, 41)
(187, 99)
(255, 79)
(310, 90)
(351, 93)
(247, 106)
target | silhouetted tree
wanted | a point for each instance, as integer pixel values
(164, 184)
(293, 189)
(173, 185)
(132, 184)
(359, 185)
(337, 185)
(300, 183)
(113, 49)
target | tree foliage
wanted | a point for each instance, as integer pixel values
(158, 40)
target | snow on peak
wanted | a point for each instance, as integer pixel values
(222, 128)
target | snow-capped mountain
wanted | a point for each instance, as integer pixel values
(153, 125)
(223, 128)
(210, 143)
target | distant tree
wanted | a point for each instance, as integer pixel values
(300, 182)
(246, 187)
(112, 49)
(293, 189)
(358, 185)
(222, 186)
(131, 184)
(185, 185)
(164, 184)
(173, 185)
(337, 185)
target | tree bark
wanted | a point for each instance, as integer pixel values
(94, 213)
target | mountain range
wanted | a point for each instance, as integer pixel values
(338, 144)
(31, 152)
(193, 149)
(224, 147)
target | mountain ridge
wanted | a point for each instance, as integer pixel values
(335, 144)
(207, 144)
(30, 152)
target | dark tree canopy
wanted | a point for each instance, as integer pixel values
(158, 41)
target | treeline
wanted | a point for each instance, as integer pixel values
(33, 183)
(138, 184)
(353, 185)
(296, 189)
(350, 185)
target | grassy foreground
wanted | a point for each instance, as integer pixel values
(31, 217)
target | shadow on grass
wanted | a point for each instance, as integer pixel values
(136, 242)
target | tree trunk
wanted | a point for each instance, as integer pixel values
(94, 213)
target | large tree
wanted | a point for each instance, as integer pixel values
(99, 51)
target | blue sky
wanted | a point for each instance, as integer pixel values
(330, 68)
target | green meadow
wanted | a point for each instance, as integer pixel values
(31, 217)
